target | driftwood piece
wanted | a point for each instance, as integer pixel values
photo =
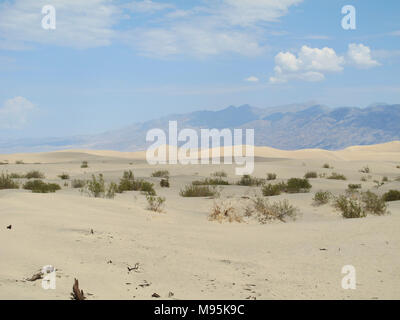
(36, 276)
(77, 294)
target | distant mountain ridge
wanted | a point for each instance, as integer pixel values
(292, 127)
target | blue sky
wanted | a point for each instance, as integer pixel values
(112, 63)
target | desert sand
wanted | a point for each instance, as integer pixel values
(179, 253)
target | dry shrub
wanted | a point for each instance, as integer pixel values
(224, 211)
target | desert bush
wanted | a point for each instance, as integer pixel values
(19, 162)
(145, 187)
(96, 186)
(38, 186)
(155, 204)
(160, 174)
(352, 186)
(219, 174)
(271, 176)
(385, 179)
(311, 175)
(111, 190)
(349, 207)
(248, 180)
(211, 182)
(322, 197)
(3, 163)
(16, 176)
(224, 211)
(365, 170)
(326, 166)
(398, 167)
(84, 164)
(373, 203)
(378, 183)
(6, 182)
(34, 174)
(127, 182)
(364, 179)
(270, 189)
(391, 195)
(280, 210)
(164, 183)
(76, 183)
(198, 191)
(64, 176)
(297, 185)
(337, 176)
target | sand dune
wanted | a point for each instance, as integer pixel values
(179, 253)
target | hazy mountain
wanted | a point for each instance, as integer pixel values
(295, 126)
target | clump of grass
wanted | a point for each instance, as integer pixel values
(271, 176)
(198, 191)
(281, 210)
(17, 176)
(365, 170)
(353, 186)
(224, 211)
(297, 185)
(211, 182)
(64, 176)
(322, 197)
(34, 174)
(311, 175)
(155, 204)
(337, 176)
(270, 189)
(111, 190)
(76, 183)
(164, 183)
(160, 174)
(248, 180)
(391, 195)
(6, 182)
(84, 164)
(349, 207)
(219, 174)
(38, 186)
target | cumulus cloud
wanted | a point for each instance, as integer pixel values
(360, 56)
(309, 65)
(14, 113)
(312, 64)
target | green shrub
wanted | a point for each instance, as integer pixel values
(297, 185)
(6, 182)
(337, 176)
(211, 182)
(322, 197)
(160, 174)
(350, 208)
(127, 182)
(111, 190)
(219, 174)
(34, 174)
(247, 180)
(270, 189)
(271, 176)
(76, 183)
(311, 175)
(326, 166)
(84, 164)
(38, 186)
(96, 187)
(198, 191)
(155, 203)
(17, 176)
(373, 203)
(385, 179)
(280, 210)
(391, 195)
(145, 187)
(352, 186)
(164, 183)
(19, 162)
(64, 176)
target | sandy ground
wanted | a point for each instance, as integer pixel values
(180, 251)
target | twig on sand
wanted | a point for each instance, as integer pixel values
(76, 293)
(36, 276)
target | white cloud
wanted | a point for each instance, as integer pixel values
(148, 6)
(14, 113)
(252, 79)
(309, 65)
(360, 56)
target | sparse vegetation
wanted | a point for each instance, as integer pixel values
(34, 174)
(385, 179)
(391, 195)
(322, 197)
(365, 170)
(155, 204)
(350, 208)
(76, 183)
(297, 185)
(160, 174)
(96, 187)
(270, 189)
(38, 186)
(6, 182)
(364, 179)
(280, 210)
(64, 176)
(84, 164)
(352, 186)
(19, 162)
(164, 183)
(224, 211)
(248, 180)
(373, 203)
(311, 175)
(271, 176)
(211, 182)
(198, 191)
(17, 176)
(219, 174)
(326, 166)
(337, 176)
(128, 183)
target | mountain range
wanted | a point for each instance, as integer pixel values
(291, 127)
